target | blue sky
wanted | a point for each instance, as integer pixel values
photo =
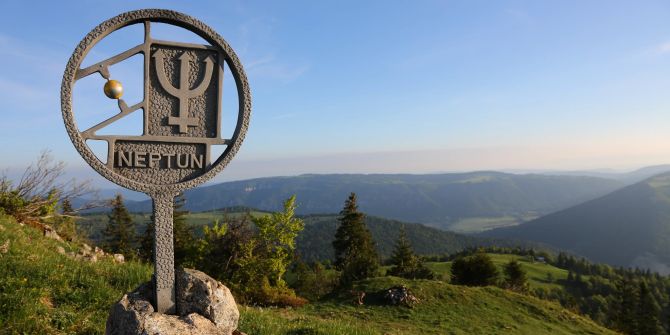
(390, 86)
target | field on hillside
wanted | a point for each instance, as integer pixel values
(44, 292)
(540, 274)
(443, 309)
(480, 224)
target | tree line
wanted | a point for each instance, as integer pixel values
(252, 253)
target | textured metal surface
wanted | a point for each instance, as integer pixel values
(164, 279)
(73, 72)
(174, 154)
(202, 108)
(181, 121)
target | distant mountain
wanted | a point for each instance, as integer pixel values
(628, 227)
(126, 193)
(630, 177)
(439, 200)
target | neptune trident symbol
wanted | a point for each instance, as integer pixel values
(183, 93)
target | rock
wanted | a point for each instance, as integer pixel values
(200, 293)
(206, 308)
(237, 332)
(60, 250)
(91, 258)
(85, 247)
(51, 233)
(118, 258)
(99, 251)
(4, 248)
(400, 295)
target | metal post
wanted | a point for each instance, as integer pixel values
(164, 276)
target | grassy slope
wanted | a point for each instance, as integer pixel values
(444, 309)
(540, 275)
(43, 292)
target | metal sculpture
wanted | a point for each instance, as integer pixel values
(181, 109)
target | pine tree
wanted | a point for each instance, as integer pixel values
(403, 257)
(647, 312)
(147, 242)
(184, 241)
(66, 207)
(120, 230)
(355, 254)
(64, 223)
(624, 317)
(405, 262)
(515, 277)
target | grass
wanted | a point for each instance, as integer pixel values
(444, 309)
(279, 321)
(480, 224)
(540, 275)
(44, 292)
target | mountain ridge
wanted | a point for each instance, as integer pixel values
(439, 200)
(629, 227)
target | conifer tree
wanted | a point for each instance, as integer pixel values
(647, 312)
(120, 230)
(355, 253)
(66, 207)
(403, 257)
(184, 241)
(147, 242)
(405, 262)
(515, 277)
(625, 307)
(64, 223)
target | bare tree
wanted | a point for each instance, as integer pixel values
(41, 187)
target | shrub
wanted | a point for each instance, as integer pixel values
(476, 270)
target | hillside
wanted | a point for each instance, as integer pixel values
(628, 227)
(315, 241)
(44, 292)
(444, 309)
(465, 202)
(537, 272)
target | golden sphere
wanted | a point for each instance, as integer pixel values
(113, 89)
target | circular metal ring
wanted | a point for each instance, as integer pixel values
(183, 21)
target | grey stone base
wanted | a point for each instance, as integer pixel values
(204, 306)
